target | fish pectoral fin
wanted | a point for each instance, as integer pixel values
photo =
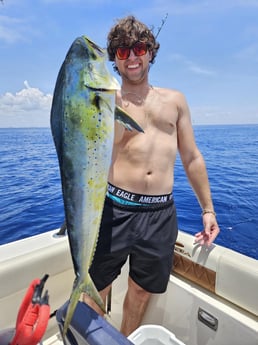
(122, 117)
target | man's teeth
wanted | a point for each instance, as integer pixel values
(133, 66)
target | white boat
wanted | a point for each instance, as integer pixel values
(211, 299)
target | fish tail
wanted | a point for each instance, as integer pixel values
(90, 290)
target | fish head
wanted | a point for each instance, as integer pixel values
(94, 58)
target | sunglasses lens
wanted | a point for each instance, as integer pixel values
(140, 49)
(122, 53)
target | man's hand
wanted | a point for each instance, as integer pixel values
(210, 231)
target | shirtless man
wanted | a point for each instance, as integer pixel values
(139, 217)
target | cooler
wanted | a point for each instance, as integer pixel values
(153, 335)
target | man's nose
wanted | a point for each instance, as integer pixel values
(131, 55)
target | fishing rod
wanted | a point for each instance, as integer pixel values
(163, 21)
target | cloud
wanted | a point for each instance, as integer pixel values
(178, 7)
(191, 66)
(199, 70)
(29, 107)
(12, 29)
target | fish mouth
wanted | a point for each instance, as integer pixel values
(88, 41)
(94, 46)
(97, 82)
(96, 76)
(98, 89)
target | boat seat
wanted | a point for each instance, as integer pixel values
(89, 328)
(222, 271)
(237, 280)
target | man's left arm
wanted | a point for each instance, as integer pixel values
(198, 178)
(196, 171)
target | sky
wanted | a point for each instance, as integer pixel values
(208, 51)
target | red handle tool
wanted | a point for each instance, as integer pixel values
(33, 315)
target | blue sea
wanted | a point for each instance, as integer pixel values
(31, 198)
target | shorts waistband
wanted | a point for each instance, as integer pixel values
(137, 199)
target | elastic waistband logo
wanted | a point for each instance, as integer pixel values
(143, 199)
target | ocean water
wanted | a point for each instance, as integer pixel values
(31, 198)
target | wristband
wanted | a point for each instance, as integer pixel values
(204, 211)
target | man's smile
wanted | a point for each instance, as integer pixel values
(133, 66)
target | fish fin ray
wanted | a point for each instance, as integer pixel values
(125, 119)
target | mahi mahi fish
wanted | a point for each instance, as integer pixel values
(82, 123)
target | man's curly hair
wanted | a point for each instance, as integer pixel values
(126, 32)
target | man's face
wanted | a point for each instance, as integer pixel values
(133, 62)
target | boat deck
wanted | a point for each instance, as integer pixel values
(54, 340)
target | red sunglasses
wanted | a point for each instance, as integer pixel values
(139, 49)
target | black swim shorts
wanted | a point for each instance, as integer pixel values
(144, 230)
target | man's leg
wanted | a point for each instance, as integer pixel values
(135, 304)
(103, 294)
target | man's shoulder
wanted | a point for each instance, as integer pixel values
(170, 93)
(166, 90)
